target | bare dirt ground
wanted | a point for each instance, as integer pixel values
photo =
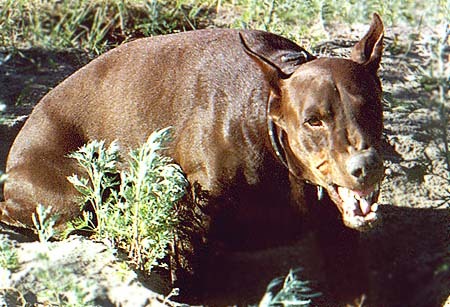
(406, 259)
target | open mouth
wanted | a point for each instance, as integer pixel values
(358, 207)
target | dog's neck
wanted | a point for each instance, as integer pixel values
(276, 140)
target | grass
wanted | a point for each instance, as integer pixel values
(98, 25)
(134, 206)
(88, 25)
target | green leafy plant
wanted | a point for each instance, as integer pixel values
(8, 254)
(134, 206)
(100, 164)
(293, 291)
(44, 223)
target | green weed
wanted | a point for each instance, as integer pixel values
(294, 292)
(8, 254)
(134, 207)
(44, 223)
(100, 164)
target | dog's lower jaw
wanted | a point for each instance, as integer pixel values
(358, 208)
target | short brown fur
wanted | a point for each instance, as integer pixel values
(221, 91)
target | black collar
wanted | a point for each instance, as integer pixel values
(275, 141)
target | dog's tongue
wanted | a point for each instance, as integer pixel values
(356, 202)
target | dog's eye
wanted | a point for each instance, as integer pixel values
(314, 121)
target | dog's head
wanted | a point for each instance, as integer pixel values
(327, 117)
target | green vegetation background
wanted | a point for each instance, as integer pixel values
(98, 25)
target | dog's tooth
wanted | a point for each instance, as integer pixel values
(343, 192)
(350, 205)
(371, 216)
(374, 207)
(364, 204)
(351, 200)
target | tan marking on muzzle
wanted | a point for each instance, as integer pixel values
(324, 167)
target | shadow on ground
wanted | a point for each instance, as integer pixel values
(403, 262)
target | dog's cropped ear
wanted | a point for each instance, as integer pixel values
(273, 50)
(369, 49)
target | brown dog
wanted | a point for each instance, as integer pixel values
(254, 116)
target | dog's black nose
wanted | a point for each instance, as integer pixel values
(365, 165)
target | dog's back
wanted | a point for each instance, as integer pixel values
(202, 83)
